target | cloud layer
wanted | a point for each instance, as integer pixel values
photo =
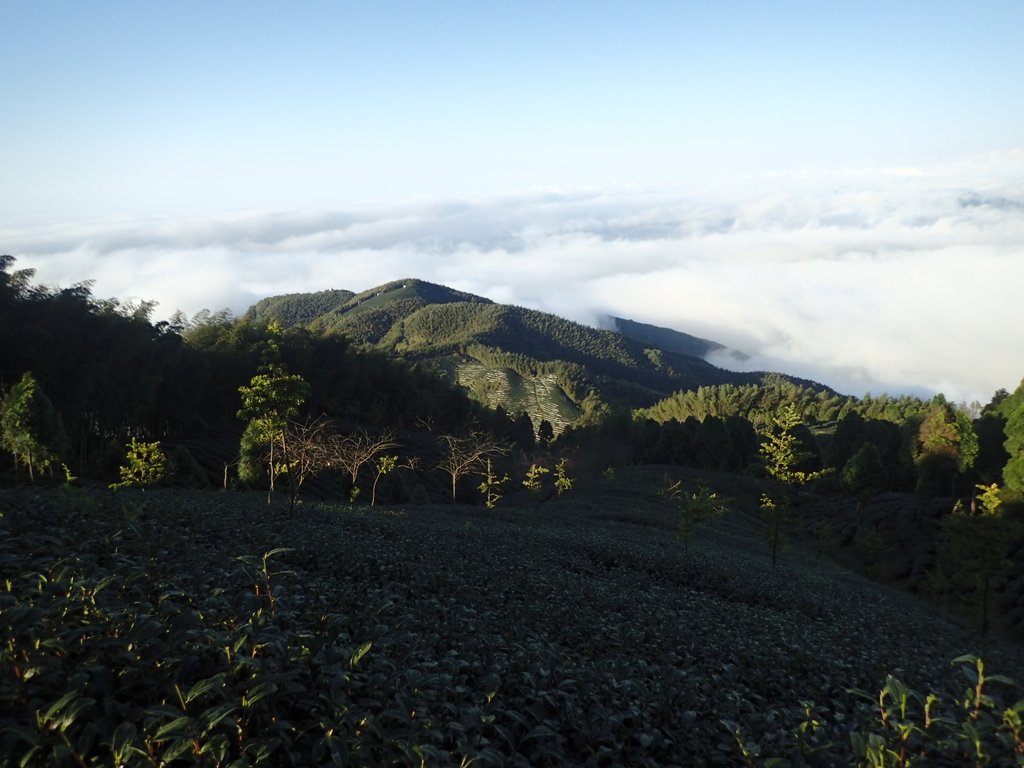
(894, 280)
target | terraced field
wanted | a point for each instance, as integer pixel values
(539, 396)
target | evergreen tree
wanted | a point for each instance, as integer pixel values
(848, 438)
(30, 427)
(974, 553)
(523, 433)
(271, 400)
(946, 447)
(783, 455)
(864, 475)
(715, 449)
(1013, 471)
(782, 451)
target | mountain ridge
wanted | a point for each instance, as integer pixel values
(498, 350)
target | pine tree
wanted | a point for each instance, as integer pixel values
(782, 454)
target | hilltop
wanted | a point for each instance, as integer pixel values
(520, 359)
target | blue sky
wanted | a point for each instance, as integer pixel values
(142, 141)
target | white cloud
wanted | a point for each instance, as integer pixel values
(869, 280)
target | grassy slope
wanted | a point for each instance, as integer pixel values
(571, 632)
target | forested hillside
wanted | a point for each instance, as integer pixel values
(108, 373)
(297, 308)
(499, 352)
(105, 415)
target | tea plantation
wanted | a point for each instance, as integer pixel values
(180, 628)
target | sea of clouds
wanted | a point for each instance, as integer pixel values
(898, 280)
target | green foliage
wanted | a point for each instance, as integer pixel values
(463, 455)
(946, 446)
(864, 474)
(297, 308)
(762, 400)
(1013, 472)
(782, 451)
(111, 372)
(782, 454)
(562, 480)
(185, 470)
(418, 320)
(534, 479)
(209, 632)
(491, 484)
(778, 515)
(695, 507)
(271, 400)
(989, 498)
(253, 456)
(30, 427)
(974, 557)
(875, 551)
(145, 465)
(972, 726)
(384, 465)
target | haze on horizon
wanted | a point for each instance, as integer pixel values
(838, 191)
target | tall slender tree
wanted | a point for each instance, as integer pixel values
(31, 429)
(270, 402)
(783, 455)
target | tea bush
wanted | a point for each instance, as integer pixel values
(182, 628)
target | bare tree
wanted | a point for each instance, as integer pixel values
(309, 451)
(355, 451)
(466, 455)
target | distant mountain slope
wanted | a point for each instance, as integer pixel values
(521, 359)
(668, 339)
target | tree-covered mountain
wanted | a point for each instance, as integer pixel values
(292, 309)
(669, 339)
(520, 359)
(112, 374)
(91, 383)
